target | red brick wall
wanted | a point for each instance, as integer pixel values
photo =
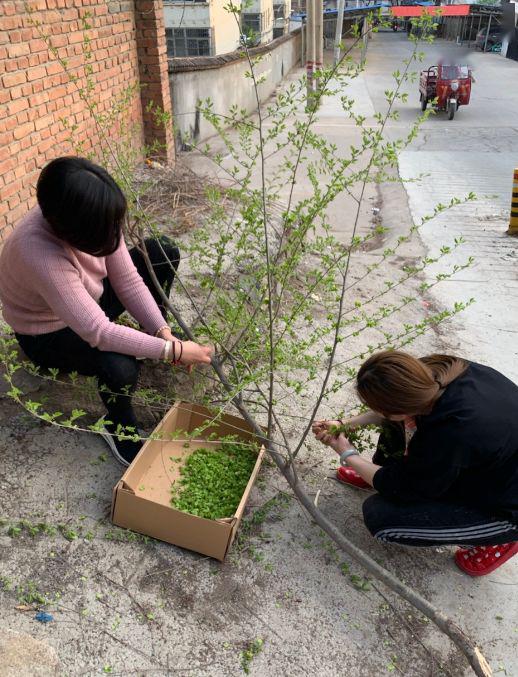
(35, 92)
(154, 77)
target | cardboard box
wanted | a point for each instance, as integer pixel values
(142, 498)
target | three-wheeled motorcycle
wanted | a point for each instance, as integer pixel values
(448, 86)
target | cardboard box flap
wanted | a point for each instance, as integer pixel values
(226, 520)
(148, 451)
(241, 507)
(196, 415)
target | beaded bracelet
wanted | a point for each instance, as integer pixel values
(161, 329)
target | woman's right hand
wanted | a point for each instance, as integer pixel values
(324, 426)
(194, 353)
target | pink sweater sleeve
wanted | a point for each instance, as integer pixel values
(132, 291)
(58, 282)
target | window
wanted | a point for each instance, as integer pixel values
(453, 72)
(252, 24)
(278, 11)
(188, 42)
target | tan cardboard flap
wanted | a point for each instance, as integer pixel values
(241, 507)
(227, 425)
(170, 525)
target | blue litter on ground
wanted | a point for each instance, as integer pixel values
(43, 617)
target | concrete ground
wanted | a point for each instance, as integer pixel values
(121, 605)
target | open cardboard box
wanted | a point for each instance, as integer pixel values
(142, 498)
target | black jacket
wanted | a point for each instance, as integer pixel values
(466, 450)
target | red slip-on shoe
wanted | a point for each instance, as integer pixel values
(484, 559)
(350, 476)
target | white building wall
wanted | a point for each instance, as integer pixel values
(187, 14)
(225, 26)
(225, 30)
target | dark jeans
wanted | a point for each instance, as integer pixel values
(428, 522)
(116, 374)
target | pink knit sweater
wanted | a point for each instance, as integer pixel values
(46, 285)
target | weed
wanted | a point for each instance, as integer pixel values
(29, 594)
(247, 656)
(6, 583)
(360, 583)
(67, 532)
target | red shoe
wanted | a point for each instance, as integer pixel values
(484, 559)
(350, 476)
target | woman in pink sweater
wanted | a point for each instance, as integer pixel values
(66, 275)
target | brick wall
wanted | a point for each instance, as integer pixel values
(127, 42)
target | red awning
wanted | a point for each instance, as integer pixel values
(444, 10)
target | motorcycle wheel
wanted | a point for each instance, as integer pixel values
(424, 102)
(451, 110)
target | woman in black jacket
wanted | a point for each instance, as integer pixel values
(446, 466)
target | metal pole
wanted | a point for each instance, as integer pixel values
(339, 28)
(365, 37)
(487, 32)
(319, 37)
(310, 49)
(302, 44)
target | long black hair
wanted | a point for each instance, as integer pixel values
(83, 204)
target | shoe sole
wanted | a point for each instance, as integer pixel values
(501, 560)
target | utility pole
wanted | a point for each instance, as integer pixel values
(310, 49)
(319, 38)
(338, 33)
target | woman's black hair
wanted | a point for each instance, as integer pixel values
(83, 204)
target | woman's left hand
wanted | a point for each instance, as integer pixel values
(167, 335)
(339, 442)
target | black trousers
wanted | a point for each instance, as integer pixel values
(116, 374)
(427, 523)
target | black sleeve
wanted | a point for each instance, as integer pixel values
(436, 457)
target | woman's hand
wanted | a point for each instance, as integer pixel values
(193, 353)
(339, 443)
(367, 418)
(325, 426)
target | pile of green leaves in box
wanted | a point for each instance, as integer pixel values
(213, 480)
